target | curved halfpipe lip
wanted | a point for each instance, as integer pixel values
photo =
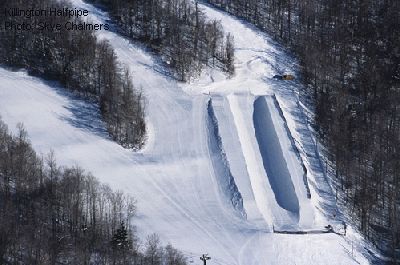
(273, 159)
(220, 163)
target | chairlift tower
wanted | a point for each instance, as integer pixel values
(204, 258)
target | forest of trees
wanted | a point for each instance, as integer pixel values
(178, 31)
(350, 58)
(58, 215)
(79, 62)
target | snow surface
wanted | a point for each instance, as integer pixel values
(272, 155)
(215, 176)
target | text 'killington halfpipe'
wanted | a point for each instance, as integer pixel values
(273, 160)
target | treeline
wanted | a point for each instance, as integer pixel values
(58, 215)
(79, 62)
(349, 53)
(178, 31)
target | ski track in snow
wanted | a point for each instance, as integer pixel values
(193, 161)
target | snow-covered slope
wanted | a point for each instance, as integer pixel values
(215, 176)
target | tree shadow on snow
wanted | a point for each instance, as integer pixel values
(86, 116)
(84, 111)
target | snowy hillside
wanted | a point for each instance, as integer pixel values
(226, 162)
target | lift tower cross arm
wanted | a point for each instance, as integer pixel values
(204, 258)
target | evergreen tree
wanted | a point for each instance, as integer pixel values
(121, 238)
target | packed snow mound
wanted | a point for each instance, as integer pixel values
(280, 208)
(220, 163)
(274, 163)
(229, 133)
(294, 146)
